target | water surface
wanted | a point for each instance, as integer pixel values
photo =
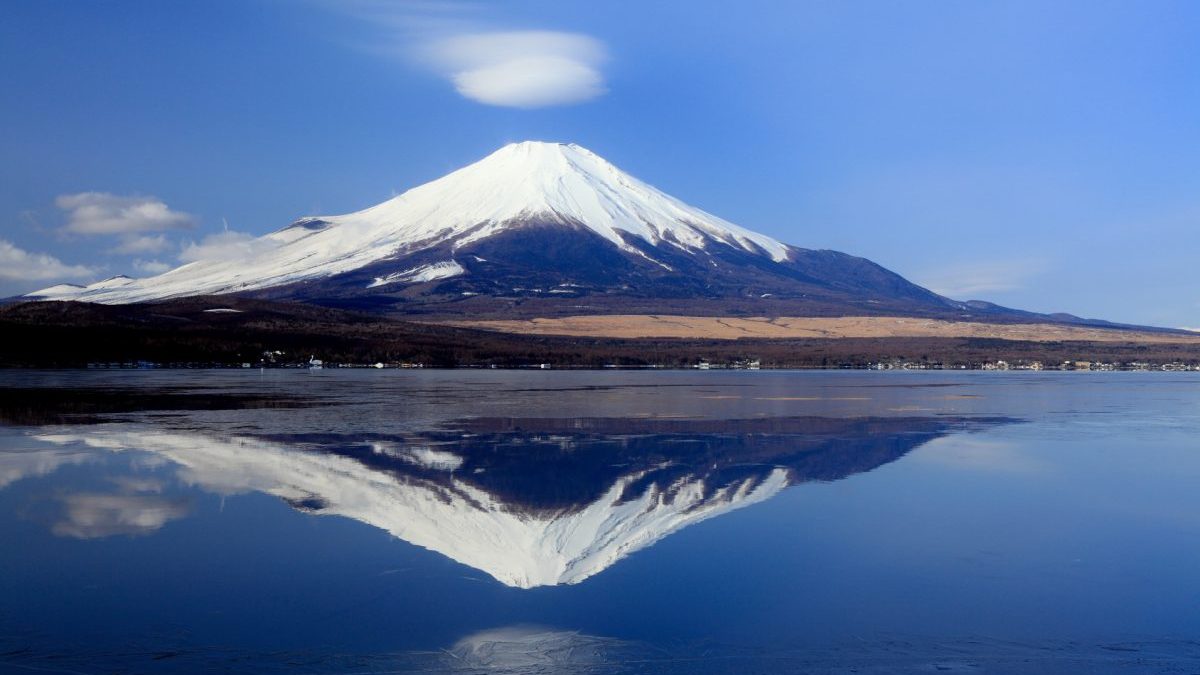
(501, 521)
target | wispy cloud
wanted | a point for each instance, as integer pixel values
(516, 68)
(17, 264)
(133, 244)
(968, 281)
(150, 266)
(522, 69)
(227, 245)
(98, 213)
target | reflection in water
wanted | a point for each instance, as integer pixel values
(134, 507)
(882, 573)
(531, 502)
(26, 463)
(537, 649)
(29, 406)
(90, 516)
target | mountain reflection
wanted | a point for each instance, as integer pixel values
(531, 502)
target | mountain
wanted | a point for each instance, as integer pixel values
(546, 225)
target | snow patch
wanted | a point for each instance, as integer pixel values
(113, 282)
(421, 455)
(441, 270)
(57, 292)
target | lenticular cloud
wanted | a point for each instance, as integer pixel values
(523, 69)
(104, 213)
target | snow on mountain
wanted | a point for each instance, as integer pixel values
(453, 517)
(517, 184)
(119, 281)
(441, 270)
(58, 292)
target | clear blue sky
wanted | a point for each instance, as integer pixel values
(1043, 155)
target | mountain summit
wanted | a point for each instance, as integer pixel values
(551, 182)
(538, 225)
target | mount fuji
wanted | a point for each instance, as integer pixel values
(542, 227)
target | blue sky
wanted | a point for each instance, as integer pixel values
(1042, 155)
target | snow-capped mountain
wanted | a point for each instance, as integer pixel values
(531, 220)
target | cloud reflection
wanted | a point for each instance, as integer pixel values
(18, 464)
(94, 515)
(968, 453)
(534, 648)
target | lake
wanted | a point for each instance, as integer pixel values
(372, 521)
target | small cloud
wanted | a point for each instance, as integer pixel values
(227, 245)
(17, 264)
(967, 281)
(93, 213)
(150, 267)
(132, 244)
(522, 69)
(136, 484)
(92, 516)
(509, 68)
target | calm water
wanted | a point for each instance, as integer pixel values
(723, 522)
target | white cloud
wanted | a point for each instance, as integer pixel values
(134, 243)
(150, 266)
(514, 68)
(17, 264)
(105, 213)
(522, 69)
(226, 245)
(967, 281)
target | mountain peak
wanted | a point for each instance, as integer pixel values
(541, 146)
(538, 146)
(523, 158)
(548, 157)
(562, 182)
